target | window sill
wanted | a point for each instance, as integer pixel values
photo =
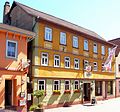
(67, 92)
(77, 91)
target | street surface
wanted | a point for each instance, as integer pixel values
(111, 105)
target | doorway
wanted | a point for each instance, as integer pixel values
(8, 93)
(86, 91)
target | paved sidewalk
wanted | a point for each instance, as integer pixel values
(111, 105)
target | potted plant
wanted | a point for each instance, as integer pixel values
(67, 91)
(76, 91)
(39, 106)
(56, 92)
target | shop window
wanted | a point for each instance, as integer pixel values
(98, 88)
(110, 87)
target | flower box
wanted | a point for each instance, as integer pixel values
(56, 92)
(67, 91)
(76, 91)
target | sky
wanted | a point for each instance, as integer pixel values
(100, 16)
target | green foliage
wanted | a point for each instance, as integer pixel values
(33, 107)
(38, 93)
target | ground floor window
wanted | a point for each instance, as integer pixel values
(98, 88)
(110, 87)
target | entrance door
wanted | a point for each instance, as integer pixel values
(8, 92)
(86, 91)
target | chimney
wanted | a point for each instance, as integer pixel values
(6, 10)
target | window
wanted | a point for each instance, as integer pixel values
(41, 84)
(109, 87)
(119, 86)
(76, 63)
(103, 68)
(103, 50)
(119, 67)
(56, 61)
(44, 59)
(11, 49)
(109, 49)
(67, 62)
(67, 85)
(56, 85)
(75, 41)
(48, 34)
(85, 64)
(76, 84)
(95, 66)
(86, 45)
(98, 88)
(63, 38)
(95, 47)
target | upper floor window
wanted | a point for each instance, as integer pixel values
(67, 84)
(11, 49)
(48, 34)
(95, 66)
(76, 84)
(41, 84)
(76, 63)
(67, 62)
(75, 41)
(56, 85)
(103, 68)
(85, 64)
(63, 38)
(95, 47)
(44, 59)
(103, 50)
(109, 49)
(86, 45)
(56, 61)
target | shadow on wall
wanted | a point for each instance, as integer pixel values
(2, 94)
(52, 99)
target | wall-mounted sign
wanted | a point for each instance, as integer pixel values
(28, 96)
(22, 102)
(87, 74)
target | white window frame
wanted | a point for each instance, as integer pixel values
(63, 38)
(68, 85)
(103, 68)
(95, 66)
(75, 41)
(16, 50)
(43, 64)
(85, 64)
(58, 85)
(68, 62)
(77, 84)
(76, 63)
(56, 60)
(48, 31)
(86, 45)
(103, 50)
(95, 50)
(39, 84)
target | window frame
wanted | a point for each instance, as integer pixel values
(57, 60)
(54, 84)
(95, 66)
(16, 50)
(102, 67)
(42, 58)
(44, 84)
(68, 85)
(95, 48)
(118, 67)
(84, 63)
(50, 34)
(67, 62)
(77, 63)
(63, 38)
(75, 42)
(86, 49)
(119, 86)
(75, 84)
(103, 50)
